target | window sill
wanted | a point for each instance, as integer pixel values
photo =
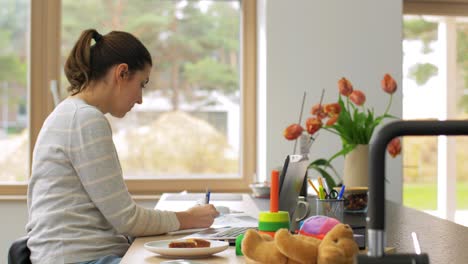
(9, 197)
(12, 197)
(13, 190)
(18, 192)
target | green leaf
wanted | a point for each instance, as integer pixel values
(321, 166)
(345, 150)
(319, 162)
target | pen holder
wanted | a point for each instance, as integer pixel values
(270, 222)
(330, 207)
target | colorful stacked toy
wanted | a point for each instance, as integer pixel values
(269, 222)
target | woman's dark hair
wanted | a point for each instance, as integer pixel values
(88, 62)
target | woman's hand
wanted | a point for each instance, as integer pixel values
(197, 216)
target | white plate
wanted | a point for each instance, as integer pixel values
(162, 247)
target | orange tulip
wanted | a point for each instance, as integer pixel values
(332, 120)
(332, 109)
(357, 97)
(293, 131)
(313, 125)
(388, 84)
(345, 87)
(394, 147)
(318, 111)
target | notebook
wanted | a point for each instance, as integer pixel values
(227, 227)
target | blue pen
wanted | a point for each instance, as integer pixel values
(340, 195)
(207, 196)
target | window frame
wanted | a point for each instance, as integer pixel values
(44, 66)
(446, 175)
(436, 7)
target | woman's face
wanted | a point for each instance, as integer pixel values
(130, 91)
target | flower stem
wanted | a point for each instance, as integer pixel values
(347, 105)
(332, 131)
(389, 104)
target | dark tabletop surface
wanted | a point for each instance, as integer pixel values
(443, 240)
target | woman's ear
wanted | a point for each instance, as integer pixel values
(121, 72)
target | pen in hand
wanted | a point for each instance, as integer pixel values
(207, 196)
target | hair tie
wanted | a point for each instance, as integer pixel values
(97, 37)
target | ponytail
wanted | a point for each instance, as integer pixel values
(78, 67)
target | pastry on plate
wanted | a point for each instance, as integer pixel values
(190, 243)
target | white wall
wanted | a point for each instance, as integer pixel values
(310, 45)
(14, 218)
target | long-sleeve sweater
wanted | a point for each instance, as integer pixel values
(79, 206)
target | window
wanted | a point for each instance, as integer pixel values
(14, 33)
(435, 69)
(196, 126)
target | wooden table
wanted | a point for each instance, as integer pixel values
(138, 254)
(444, 241)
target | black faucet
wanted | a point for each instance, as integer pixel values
(376, 204)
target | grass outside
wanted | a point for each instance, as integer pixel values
(424, 196)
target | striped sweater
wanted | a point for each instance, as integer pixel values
(79, 206)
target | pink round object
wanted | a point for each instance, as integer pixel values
(318, 226)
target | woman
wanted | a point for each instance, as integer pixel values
(79, 208)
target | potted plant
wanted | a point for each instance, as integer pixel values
(354, 124)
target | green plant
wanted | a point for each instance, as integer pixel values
(349, 119)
